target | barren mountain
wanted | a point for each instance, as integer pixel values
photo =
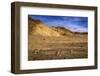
(36, 27)
(66, 32)
(63, 31)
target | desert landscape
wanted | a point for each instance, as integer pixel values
(50, 43)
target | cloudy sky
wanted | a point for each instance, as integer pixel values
(75, 24)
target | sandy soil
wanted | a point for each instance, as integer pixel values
(49, 48)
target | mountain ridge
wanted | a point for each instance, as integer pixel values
(37, 27)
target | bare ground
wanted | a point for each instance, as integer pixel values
(49, 48)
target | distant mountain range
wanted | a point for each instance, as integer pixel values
(37, 27)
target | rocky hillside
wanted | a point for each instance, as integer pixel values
(36, 27)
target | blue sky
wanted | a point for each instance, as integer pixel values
(73, 23)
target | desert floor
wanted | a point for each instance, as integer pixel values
(49, 48)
